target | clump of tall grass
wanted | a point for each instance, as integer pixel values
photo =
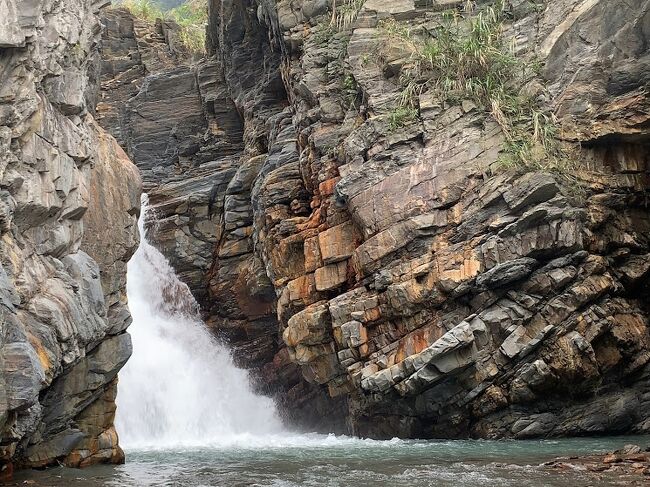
(466, 57)
(344, 15)
(458, 61)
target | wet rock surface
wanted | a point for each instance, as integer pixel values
(69, 203)
(631, 465)
(392, 279)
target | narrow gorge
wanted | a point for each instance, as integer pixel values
(422, 219)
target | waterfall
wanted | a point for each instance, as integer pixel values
(180, 387)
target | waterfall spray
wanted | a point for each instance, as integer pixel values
(180, 388)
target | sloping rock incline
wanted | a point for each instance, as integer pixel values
(69, 201)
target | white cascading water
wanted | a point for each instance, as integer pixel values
(180, 387)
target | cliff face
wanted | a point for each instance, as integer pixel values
(361, 244)
(361, 235)
(69, 199)
(182, 129)
(438, 293)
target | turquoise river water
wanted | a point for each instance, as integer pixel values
(316, 460)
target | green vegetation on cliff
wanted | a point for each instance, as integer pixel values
(163, 5)
(190, 15)
(345, 13)
(465, 57)
(143, 9)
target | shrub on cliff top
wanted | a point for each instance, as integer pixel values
(143, 9)
(191, 16)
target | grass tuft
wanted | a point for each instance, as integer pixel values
(466, 57)
(401, 116)
(344, 15)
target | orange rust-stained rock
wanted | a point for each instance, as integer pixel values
(331, 276)
(326, 188)
(302, 288)
(337, 243)
(417, 341)
(313, 222)
(457, 265)
(312, 254)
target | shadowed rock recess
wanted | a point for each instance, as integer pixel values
(385, 275)
(69, 199)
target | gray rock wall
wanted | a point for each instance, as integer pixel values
(420, 283)
(69, 204)
(385, 274)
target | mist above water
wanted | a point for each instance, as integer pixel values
(180, 387)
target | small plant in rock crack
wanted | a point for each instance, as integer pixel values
(401, 116)
(352, 95)
(349, 83)
(324, 33)
(78, 52)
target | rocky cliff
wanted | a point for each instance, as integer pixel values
(179, 124)
(412, 218)
(439, 292)
(69, 199)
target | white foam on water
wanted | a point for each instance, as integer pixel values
(284, 441)
(180, 387)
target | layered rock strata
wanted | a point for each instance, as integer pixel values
(437, 293)
(422, 289)
(178, 123)
(69, 200)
